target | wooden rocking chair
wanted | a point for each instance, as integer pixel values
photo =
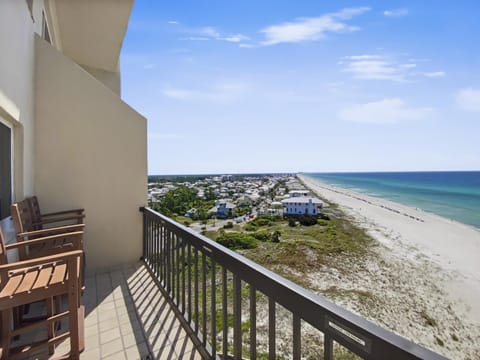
(65, 217)
(39, 279)
(26, 229)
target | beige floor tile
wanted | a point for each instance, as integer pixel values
(90, 354)
(193, 355)
(109, 335)
(127, 317)
(108, 324)
(137, 352)
(117, 356)
(111, 347)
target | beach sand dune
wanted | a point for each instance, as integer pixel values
(433, 261)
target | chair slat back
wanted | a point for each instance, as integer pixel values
(22, 222)
(35, 213)
(21, 215)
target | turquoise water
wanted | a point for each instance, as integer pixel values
(452, 194)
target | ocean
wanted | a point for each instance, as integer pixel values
(451, 194)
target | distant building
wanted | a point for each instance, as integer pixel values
(191, 213)
(244, 200)
(298, 193)
(302, 205)
(223, 209)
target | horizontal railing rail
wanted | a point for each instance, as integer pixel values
(215, 288)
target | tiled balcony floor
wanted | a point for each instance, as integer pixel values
(126, 317)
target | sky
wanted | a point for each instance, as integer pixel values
(305, 86)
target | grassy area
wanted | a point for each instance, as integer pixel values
(301, 250)
(305, 248)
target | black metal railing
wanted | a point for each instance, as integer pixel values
(233, 305)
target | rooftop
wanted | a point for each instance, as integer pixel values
(302, 200)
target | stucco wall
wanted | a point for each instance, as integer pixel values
(108, 78)
(16, 87)
(91, 152)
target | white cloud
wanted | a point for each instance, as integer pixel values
(435, 74)
(374, 67)
(178, 93)
(246, 46)
(173, 22)
(311, 29)
(235, 38)
(224, 92)
(195, 38)
(211, 33)
(396, 12)
(148, 66)
(382, 67)
(386, 111)
(363, 57)
(468, 99)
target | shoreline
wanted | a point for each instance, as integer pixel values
(415, 226)
(439, 251)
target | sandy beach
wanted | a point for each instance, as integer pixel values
(434, 261)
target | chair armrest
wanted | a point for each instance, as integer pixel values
(61, 229)
(76, 237)
(76, 211)
(39, 261)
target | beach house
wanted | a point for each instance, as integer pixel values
(303, 205)
(223, 209)
(153, 288)
(298, 193)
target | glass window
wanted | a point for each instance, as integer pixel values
(45, 31)
(5, 170)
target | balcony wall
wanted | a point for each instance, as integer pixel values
(90, 152)
(16, 88)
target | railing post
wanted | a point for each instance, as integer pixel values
(271, 329)
(253, 322)
(327, 347)
(144, 240)
(297, 340)
(237, 317)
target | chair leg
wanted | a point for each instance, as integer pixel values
(5, 318)
(50, 326)
(73, 321)
(17, 314)
(58, 310)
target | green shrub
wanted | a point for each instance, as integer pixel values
(228, 225)
(276, 236)
(262, 236)
(236, 241)
(292, 222)
(264, 220)
(307, 220)
(322, 222)
(324, 216)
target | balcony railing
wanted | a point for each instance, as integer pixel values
(232, 305)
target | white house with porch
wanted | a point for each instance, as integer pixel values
(298, 193)
(302, 205)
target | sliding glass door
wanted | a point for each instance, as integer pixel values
(5, 170)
